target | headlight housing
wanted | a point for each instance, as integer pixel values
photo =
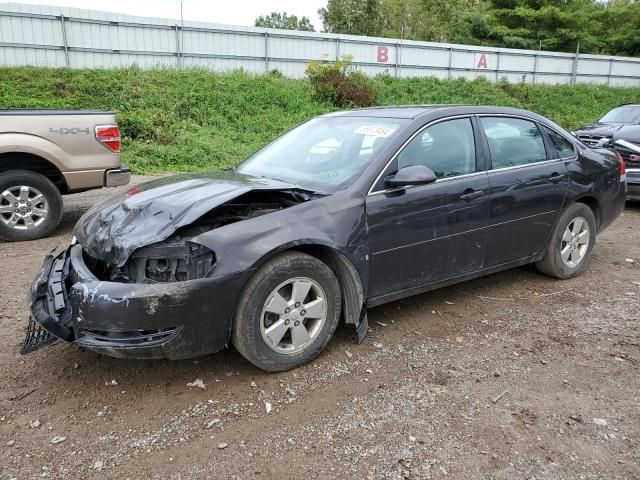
(176, 259)
(168, 262)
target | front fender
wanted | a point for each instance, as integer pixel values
(337, 222)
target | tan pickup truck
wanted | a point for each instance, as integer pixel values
(45, 154)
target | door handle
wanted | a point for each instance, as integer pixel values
(471, 194)
(556, 177)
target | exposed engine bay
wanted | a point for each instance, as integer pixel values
(177, 259)
(250, 205)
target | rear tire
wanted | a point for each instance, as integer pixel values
(287, 313)
(30, 206)
(571, 243)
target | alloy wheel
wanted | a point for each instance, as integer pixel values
(575, 242)
(293, 315)
(23, 207)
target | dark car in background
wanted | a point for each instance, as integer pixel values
(620, 125)
(347, 211)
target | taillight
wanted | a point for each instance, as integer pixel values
(622, 166)
(109, 136)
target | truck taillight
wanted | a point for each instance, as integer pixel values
(622, 167)
(109, 136)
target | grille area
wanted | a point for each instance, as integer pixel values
(99, 268)
(128, 337)
(591, 140)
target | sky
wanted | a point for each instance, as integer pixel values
(230, 12)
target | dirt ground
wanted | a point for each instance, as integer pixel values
(511, 376)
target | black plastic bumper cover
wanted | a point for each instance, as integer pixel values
(129, 320)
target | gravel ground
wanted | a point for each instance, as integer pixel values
(511, 376)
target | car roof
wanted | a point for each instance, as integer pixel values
(396, 111)
(415, 111)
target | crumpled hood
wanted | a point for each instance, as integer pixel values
(152, 211)
(628, 132)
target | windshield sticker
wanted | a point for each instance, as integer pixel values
(375, 131)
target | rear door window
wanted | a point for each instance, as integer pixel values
(513, 141)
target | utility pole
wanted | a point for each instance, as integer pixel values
(182, 32)
(574, 71)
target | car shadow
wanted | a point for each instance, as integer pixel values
(633, 205)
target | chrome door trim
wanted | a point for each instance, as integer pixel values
(525, 165)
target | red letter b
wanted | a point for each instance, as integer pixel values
(383, 54)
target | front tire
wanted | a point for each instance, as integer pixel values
(287, 313)
(571, 243)
(30, 206)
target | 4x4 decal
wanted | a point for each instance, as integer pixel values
(72, 131)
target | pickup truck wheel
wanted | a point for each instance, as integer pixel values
(30, 205)
(571, 243)
(287, 313)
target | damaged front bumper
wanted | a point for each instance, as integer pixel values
(129, 320)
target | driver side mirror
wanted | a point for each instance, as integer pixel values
(413, 175)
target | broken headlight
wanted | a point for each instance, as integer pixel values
(176, 259)
(169, 264)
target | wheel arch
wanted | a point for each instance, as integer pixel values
(33, 163)
(349, 279)
(594, 204)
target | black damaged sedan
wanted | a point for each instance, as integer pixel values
(619, 129)
(347, 211)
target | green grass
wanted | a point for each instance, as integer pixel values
(190, 120)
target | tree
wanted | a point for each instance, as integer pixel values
(355, 17)
(284, 21)
(620, 19)
(603, 27)
(549, 24)
(428, 20)
(431, 20)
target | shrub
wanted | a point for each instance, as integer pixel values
(149, 125)
(185, 120)
(340, 84)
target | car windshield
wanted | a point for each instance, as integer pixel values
(324, 154)
(626, 114)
